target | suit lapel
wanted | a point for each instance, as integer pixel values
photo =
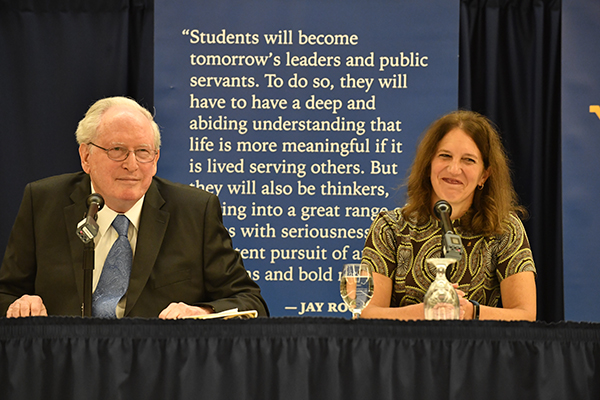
(153, 225)
(73, 214)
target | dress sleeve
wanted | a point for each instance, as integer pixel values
(381, 243)
(514, 252)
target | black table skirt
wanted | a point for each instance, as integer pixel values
(297, 358)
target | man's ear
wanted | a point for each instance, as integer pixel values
(156, 162)
(84, 155)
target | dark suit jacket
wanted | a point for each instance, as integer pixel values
(183, 252)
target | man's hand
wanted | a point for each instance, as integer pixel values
(27, 306)
(180, 310)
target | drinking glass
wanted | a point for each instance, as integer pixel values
(356, 287)
(441, 300)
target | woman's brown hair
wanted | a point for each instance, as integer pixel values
(492, 204)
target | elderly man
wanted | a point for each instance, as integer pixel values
(161, 248)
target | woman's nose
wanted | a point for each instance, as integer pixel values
(454, 167)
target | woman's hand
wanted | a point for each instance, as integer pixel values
(379, 306)
(466, 307)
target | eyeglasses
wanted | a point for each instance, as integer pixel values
(121, 153)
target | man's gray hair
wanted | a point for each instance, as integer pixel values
(87, 129)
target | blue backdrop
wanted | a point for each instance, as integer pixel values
(580, 145)
(303, 117)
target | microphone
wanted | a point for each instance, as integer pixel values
(87, 228)
(451, 243)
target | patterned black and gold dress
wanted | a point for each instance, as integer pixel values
(398, 248)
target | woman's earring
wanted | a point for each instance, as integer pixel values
(480, 187)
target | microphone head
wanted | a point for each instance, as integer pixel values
(95, 198)
(442, 206)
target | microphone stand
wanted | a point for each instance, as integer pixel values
(88, 269)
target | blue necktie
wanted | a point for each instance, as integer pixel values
(114, 279)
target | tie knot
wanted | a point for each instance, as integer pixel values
(121, 223)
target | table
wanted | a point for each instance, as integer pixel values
(296, 358)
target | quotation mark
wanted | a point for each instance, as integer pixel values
(595, 110)
(185, 32)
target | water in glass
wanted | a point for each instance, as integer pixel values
(356, 287)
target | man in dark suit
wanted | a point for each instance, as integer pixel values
(183, 260)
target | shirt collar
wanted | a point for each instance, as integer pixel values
(106, 216)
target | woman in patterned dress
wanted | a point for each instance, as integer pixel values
(460, 159)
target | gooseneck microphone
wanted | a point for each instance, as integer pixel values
(451, 243)
(87, 228)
